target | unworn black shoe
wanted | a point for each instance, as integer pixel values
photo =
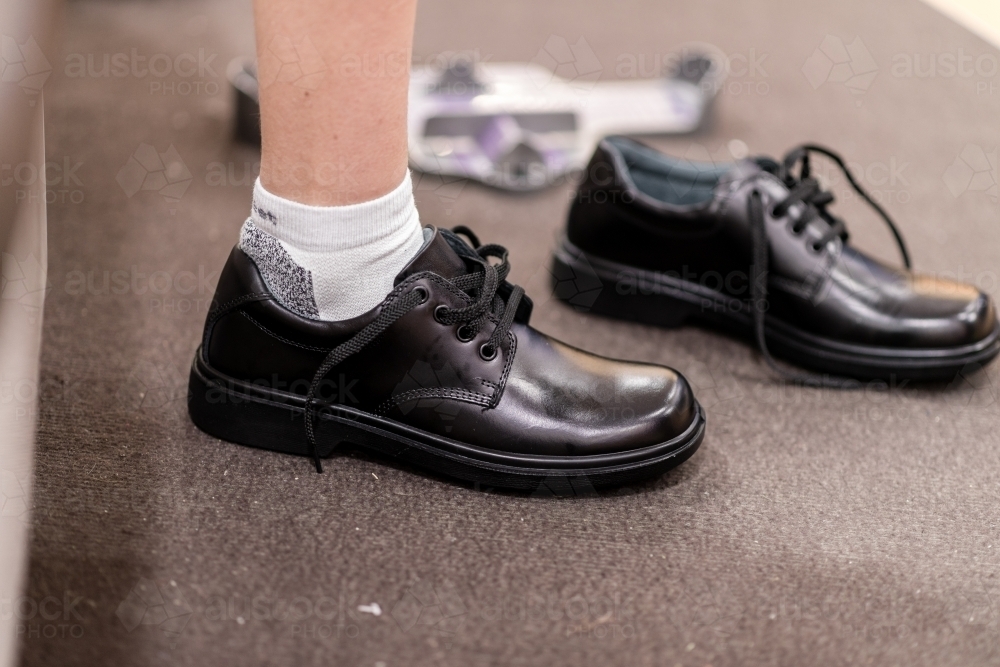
(752, 246)
(444, 374)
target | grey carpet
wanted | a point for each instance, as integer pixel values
(813, 527)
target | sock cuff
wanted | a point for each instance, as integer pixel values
(333, 228)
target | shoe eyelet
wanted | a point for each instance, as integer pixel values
(816, 248)
(487, 352)
(438, 312)
(463, 334)
(422, 291)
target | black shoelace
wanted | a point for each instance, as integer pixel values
(807, 190)
(481, 284)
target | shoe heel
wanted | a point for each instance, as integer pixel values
(236, 417)
(576, 282)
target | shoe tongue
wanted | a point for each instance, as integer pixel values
(741, 170)
(749, 168)
(436, 256)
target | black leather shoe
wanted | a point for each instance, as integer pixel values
(664, 241)
(444, 374)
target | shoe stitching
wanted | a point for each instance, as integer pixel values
(446, 393)
(282, 338)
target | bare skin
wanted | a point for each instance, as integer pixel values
(334, 78)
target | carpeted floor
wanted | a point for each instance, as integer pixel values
(813, 527)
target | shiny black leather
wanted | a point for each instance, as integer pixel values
(537, 396)
(835, 292)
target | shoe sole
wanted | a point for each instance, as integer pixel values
(580, 280)
(257, 416)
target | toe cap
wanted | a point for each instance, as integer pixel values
(945, 313)
(559, 400)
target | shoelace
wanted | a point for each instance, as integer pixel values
(481, 284)
(807, 190)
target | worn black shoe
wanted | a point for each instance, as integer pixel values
(445, 374)
(752, 246)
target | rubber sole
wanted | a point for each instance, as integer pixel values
(590, 283)
(260, 417)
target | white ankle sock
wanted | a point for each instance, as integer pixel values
(332, 262)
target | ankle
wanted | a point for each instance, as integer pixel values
(332, 262)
